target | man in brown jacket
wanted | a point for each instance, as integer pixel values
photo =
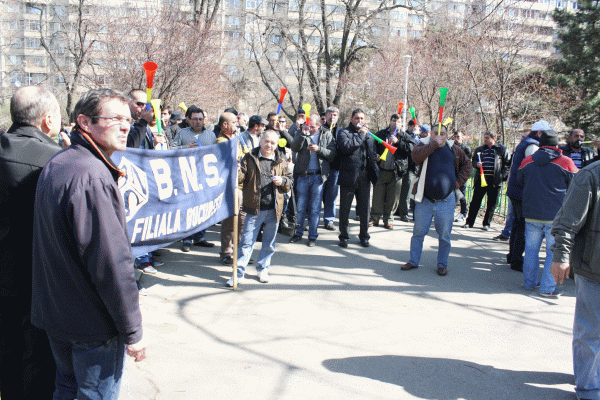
(264, 178)
(443, 168)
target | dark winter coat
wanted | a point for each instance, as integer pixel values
(349, 143)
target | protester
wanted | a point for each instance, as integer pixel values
(443, 168)
(256, 127)
(315, 148)
(493, 158)
(581, 156)
(545, 177)
(331, 188)
(264, 177)
(242, 121)
(358, 169)
(228, 129)
(196, 134)
(84, 289)
(514, 191)
(459, 140)
(386, 192)
(575, 230)
(408, 180)
(27, 368)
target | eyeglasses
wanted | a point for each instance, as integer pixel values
(118, 118)
(197, 119)
(140, 103)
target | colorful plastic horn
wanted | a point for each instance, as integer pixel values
(183, 106)
(388, 146)
(282, 93)
(150, 67)
(443, 93)
(156, 107)
(483, 182)
(412, 111)
(447, 122)
(400, 107)
(383, 155)
(307, 107)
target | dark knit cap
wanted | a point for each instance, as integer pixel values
(549, 138)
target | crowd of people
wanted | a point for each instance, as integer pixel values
(62, 213)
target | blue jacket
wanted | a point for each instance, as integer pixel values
(514, 190)
(545, 177)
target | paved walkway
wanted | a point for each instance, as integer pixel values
(339, 323)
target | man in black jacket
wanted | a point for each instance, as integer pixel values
(26, 362)
(358, 169)
(84, 291)
(386, 192)
(494, 159)
(581, 156)
(459, 140)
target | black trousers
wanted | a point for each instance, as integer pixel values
(492, 199)
(27, 368)
(517, 235)
(362, 191)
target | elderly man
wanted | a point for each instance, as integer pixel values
(358, 169)
(581, 156)
(493, 158)
(443, 168)
(84, 289)
(264, 177)
(314, 148)
(26, 362)
(575, 230)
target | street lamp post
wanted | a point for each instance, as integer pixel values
(408, 58)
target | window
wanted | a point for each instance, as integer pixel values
(233, 22)
(251, 4)
(17, 43)
(16, 25)
(575, 5)
(15, 60)
(32, 25)
(294, 6)
(37, 61)
(416, 19)
(402, 32)
(33, 9)
(60, 11)
(415, 34)
(32, 43)
(234, 4)
(274, 39)
(36, 78)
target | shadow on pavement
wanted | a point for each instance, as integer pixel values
(449, 379)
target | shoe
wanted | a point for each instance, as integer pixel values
(263, 275)
(364, 242)
(408, 267)
(404, 218)
(517, 266)
(461, 218)
(467, 226)
(554, 294)
(306, 228)
(329, 226)
(186, 246)
(373, 223)
(388, 226)
(156, 263)
(227, 260)
(486, 228)
(141, 290)
(311, 243)
(442, 271)
(343, 243)
(204, 243)
(500, 238)
(240, 280)
(295, 239)
(157, 252)
(147, 268)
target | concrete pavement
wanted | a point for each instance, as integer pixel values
(347, 323)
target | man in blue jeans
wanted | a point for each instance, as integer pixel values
(264, 178)
(575, 230)
(84, 293)
(545, 176)
(315, 148)
(331, 188)
(443, 168)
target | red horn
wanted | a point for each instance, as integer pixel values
(150, 67)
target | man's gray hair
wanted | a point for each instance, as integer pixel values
(30, 104)
(91, 102)
(332, 110)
